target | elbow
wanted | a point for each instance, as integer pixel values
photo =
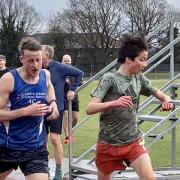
(82, 74)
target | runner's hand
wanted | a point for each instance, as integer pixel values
(167, 106)
(36, 109)
(70, 95)
(54, 111)
(123, 101)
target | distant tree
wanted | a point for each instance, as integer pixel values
(98, 24)
(55, 34)
(17, 19)
(102, 18)
(92, 24)
(145, 15)
(177, 46)
(55, 23)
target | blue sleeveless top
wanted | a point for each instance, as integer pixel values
(26, 132)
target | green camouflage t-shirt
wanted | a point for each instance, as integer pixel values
(118, 126)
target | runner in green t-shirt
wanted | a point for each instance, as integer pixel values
(116, 98)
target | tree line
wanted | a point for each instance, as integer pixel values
(87, 24)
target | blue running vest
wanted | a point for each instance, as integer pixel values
(26, 132)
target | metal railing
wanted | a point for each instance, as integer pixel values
(170, 55)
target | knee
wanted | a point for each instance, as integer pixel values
(55, 140)
(65, 115)
(75, 120)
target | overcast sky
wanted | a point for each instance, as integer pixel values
(47, 7)
(176, 3)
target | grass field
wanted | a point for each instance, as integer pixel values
(86, 135)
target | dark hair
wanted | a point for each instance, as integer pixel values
(131, 46)
(29, 43)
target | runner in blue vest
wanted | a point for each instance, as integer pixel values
(22, 133)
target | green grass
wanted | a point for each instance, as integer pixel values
(86, 135)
